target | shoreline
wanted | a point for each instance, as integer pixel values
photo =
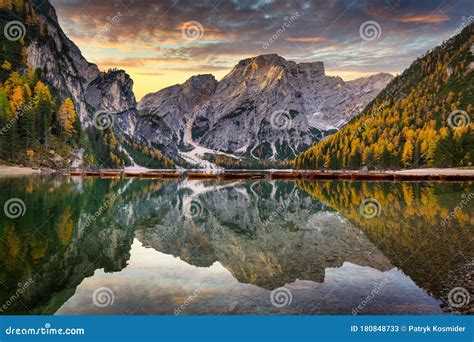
(468, 173)
(453, 174)
(21, 171)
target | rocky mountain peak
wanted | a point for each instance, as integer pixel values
(269, 64)
(112, 91)
(200, 86)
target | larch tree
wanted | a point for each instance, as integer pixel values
(67, 117)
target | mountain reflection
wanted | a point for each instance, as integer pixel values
(264, 234)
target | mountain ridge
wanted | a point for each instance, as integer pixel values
(234, 116)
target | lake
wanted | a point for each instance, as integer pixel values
(90, 246)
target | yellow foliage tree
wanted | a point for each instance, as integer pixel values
(67, 116)
(407, 156)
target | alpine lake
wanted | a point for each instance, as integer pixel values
(91, 246)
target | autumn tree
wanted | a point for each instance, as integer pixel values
(67, 117)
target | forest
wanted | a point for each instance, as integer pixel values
(423, 118)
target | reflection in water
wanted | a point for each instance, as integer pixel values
(221, 248)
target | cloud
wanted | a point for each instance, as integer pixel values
(425, 19)
(307, 39)
(149, 37)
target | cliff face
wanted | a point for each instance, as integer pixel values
(65, 69)
(266, 108)
(175, 104)
(64, 66)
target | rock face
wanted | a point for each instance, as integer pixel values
(265, 108)
(68, 71)
(173, 105)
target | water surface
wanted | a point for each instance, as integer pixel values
(139, 247)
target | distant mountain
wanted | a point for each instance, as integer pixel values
(423, 118)
(266, 108)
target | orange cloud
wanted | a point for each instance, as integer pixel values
(429, 19)
(307, 39)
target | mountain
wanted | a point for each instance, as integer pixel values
(423, 118)
(40, 62)
(266, 108)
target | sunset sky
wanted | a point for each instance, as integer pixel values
(164, 42)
